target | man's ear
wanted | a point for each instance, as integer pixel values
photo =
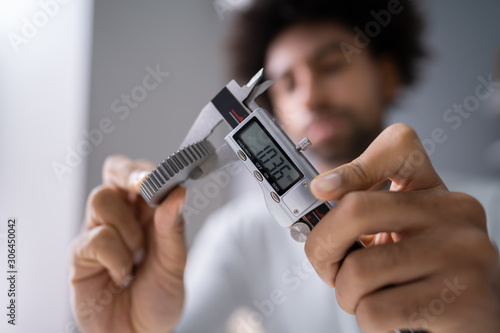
(391, 78)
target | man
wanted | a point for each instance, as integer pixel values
(428, 264)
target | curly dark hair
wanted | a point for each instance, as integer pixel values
(254, 28)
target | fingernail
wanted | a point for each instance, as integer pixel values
(136, 177)
(180, 208)
(326, 183)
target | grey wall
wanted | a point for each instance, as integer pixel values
(184, 37)
(464, 40)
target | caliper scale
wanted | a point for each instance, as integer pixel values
(233, 128)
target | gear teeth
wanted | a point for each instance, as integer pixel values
(166, 171)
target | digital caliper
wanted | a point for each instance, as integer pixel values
(233, 127)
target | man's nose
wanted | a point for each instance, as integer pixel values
(313, 94)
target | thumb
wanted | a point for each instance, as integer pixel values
(168, 242)
(396, 154)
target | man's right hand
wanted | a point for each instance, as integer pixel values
(112, 292)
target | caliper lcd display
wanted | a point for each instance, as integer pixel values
(267, 156)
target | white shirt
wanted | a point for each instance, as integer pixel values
(243, 258)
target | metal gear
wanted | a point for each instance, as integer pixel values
(175, 169)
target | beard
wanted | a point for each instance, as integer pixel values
(338, 136)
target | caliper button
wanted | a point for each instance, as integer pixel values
(258, 175)
(275, 197)
(242, 155)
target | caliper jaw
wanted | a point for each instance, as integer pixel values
(231, 97)
(217, 119)
(228, 108)
(256, 90)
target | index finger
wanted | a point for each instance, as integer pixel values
(396, 154)
(124, 173)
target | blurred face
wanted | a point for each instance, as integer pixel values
(320, 94)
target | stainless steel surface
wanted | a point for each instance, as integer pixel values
(256, 92)
(299, 198)
(255, 79)
(224, 155)
(303, 145)
(203, 126)
(299, 231)
(174, 170)
(209, 117)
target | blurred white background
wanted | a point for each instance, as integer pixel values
(44, 80)
(64, 79)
